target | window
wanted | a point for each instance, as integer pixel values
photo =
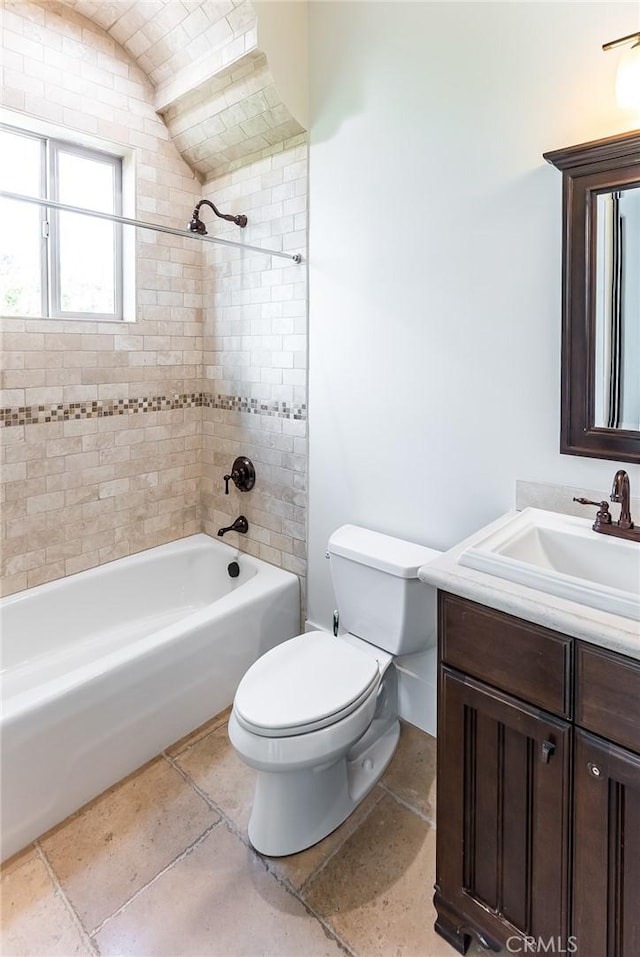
(54, 263)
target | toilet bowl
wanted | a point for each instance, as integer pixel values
(317, 716)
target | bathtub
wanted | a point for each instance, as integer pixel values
(104, 669)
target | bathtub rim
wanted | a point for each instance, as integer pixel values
(177, 545)
(265, 579)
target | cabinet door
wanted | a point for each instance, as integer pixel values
(606, 849)
(503, 817)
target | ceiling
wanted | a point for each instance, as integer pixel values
(165, 37)
(212, 85)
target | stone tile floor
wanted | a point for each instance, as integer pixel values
(160, 864)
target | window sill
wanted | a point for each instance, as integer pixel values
(63, 319)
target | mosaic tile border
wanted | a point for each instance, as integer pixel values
(67, 411)
(233, 403)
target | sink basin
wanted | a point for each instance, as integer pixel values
(563, 556)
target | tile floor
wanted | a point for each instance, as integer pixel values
(160, 864)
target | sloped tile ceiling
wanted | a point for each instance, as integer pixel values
(165, 36)
(230, 117)
(213, 86)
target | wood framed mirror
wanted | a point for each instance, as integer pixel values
(600, 402)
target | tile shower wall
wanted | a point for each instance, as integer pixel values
(255, 358)
(119, 434)
(101, 478)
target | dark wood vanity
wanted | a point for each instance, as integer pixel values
(538, 830)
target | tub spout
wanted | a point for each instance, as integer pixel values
(240, 525)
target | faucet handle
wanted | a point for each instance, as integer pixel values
(603, 515)
(243, 475)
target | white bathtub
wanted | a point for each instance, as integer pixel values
(104, 669)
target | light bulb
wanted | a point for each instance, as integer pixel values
(628, 79)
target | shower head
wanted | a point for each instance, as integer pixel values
(197, 226)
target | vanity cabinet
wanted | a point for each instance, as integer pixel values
(538, 831)
(503, 818)
(606, 903)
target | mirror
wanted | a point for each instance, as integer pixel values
(600, 407)
(617, 328)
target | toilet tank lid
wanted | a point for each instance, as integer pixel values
(391, 555)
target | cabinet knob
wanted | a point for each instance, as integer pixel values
(594, 770)
(548, 749)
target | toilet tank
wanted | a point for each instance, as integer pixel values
(379, 596)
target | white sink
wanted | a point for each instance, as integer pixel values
(563, 556)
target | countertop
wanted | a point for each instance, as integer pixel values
(589, 624)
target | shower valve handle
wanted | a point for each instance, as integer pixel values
(243, 475)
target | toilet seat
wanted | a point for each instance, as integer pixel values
(304, 684)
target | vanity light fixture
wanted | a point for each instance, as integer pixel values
(628, 77)
(197, 226)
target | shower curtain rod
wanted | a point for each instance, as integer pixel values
(296, 257)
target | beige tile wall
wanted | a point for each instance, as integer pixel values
(79, 493)
(84, 491)
(255, 346)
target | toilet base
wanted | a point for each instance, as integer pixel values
(293, 810)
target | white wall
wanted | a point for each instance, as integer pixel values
(435, 257)
(283, 30)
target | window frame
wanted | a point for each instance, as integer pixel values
(54, 148)
(50, 277)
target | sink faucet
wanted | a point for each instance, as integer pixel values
(240, 525)
(620, 492)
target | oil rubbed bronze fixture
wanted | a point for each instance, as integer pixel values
(624, 527)
(243, 475)
(197, 226)
(240, 525)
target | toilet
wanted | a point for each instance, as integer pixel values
(317, 716)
